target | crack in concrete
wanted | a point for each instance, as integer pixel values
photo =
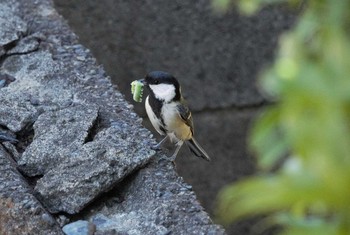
(25, 137)
(7, 48)
(94, 129)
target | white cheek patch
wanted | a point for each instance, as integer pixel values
(164, 92)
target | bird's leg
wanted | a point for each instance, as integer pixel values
(157, 146)
(178, 146)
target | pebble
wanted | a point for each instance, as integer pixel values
(2, 83)
(48, 219)
(80, 227)
(81, 58)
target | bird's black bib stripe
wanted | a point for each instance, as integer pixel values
(156, 106)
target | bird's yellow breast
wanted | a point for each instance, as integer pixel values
(181, 130)
(175, 124)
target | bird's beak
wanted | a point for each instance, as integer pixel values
(143, 81)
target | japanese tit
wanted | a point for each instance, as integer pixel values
(169, 114)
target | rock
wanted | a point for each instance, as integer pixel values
(127, 223)
(15, 113)
(91, 170)
(58, 134)
(153, 201)
(12, 26)
(20, 211)
(26, 45)
(79, 227)
(5, 79)
(27, 72)
(12, 150)
(62, 220)
(7, 136)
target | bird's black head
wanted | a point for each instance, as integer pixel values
(158, 81)
(160, 77)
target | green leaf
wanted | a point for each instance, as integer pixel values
(309, 123)
(267, 139)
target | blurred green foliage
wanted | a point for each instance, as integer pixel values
(308, 124)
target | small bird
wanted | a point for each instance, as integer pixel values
(169, 113)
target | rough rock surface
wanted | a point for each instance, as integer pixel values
(155, 196)
(79, 227)
(12, 28)
(93, 169)
(77, 136)
(58, 135)
(20, 211)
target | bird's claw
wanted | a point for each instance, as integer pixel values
(156, 147)
(172, 158)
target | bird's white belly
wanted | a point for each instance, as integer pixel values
(170, 115)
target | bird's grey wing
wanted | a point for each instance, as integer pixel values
(185, 114)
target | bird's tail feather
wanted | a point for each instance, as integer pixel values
(196, 149)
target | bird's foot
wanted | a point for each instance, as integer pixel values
(156, 147)
(172, 158)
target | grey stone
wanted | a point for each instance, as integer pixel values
(92, 169)
(15, 113)
(28, 71)
(58, 135)
(25, 45)
(2, 83)
(154, 201)
(79, 227)
(20, 211)
(62, 220)
(5, 79)
(7, 136)
(12, 150)
(132, 223)
(12, 26)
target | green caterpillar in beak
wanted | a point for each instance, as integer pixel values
(137, 90)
